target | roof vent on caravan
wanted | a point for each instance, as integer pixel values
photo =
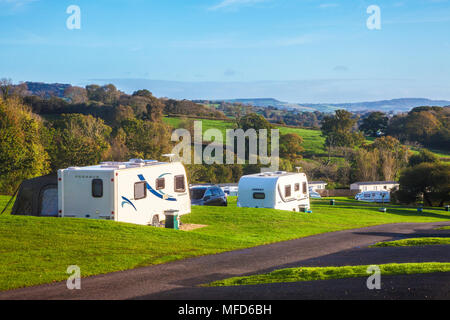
(150, 162)
(112, 165)
(74, 168)
(170, 156)
(137, 161)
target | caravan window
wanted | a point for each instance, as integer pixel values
(288, 191)
(140, 190)
(305, 188)
(259, 195)
(97, 188)
(160, 183)
(297, 187)
(179, 184)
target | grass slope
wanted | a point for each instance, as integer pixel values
(414, 242)
(3, 202)
(314, 142)
(327, 273)
(38, 250)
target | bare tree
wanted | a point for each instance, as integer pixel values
(5, 87)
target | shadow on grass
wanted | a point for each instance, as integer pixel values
(404, 212)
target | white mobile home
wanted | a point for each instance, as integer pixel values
(317, 185)
(275, 190)
(138, 191)
(374, 186)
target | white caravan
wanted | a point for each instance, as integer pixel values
(138, 191)
(230, 191)
(374, 196)
(275, 190)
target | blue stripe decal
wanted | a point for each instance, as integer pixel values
(157, 194)
(128, 202)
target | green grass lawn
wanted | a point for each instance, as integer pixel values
(39, 250)
(327, 273)
(3, 202)
(443, 228)
(413, 242)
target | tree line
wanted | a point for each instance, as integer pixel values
(41, 135)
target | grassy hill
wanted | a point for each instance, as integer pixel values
(39, 250)
(313, 141)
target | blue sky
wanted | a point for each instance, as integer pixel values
(293, 50)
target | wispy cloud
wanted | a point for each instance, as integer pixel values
(14, 6)
(234, 4)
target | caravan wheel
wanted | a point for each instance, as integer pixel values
(155, 221)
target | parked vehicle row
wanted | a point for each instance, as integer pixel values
(146, 192)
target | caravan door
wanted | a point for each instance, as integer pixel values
(48, 201)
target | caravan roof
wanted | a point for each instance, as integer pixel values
(114, 166)
(271, 175)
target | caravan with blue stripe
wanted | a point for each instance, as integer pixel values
(138, 191)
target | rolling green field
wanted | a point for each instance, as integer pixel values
(313, 141)
(38, 250)
(327, 273)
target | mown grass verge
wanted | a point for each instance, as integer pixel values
(413, 242)
(328, 273)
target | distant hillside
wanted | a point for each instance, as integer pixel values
(47, 90)
(270, 102)
(395, 105)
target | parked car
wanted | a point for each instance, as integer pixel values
(208, 196)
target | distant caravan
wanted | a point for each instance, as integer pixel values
(139, 191)
(275, 190)
(374, 196)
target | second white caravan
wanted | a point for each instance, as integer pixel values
(138, 191)
(275, 190)
(374, 196)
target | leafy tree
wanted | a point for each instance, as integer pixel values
(22, 154)
(78, 140)
(428, 126)
(365, 165)
(339, 131)
(291, 147)
(425, 156)
(76, 95)
(146, 139)
(254, 121)
(107, 94)
(375, 122)
(427, 181)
